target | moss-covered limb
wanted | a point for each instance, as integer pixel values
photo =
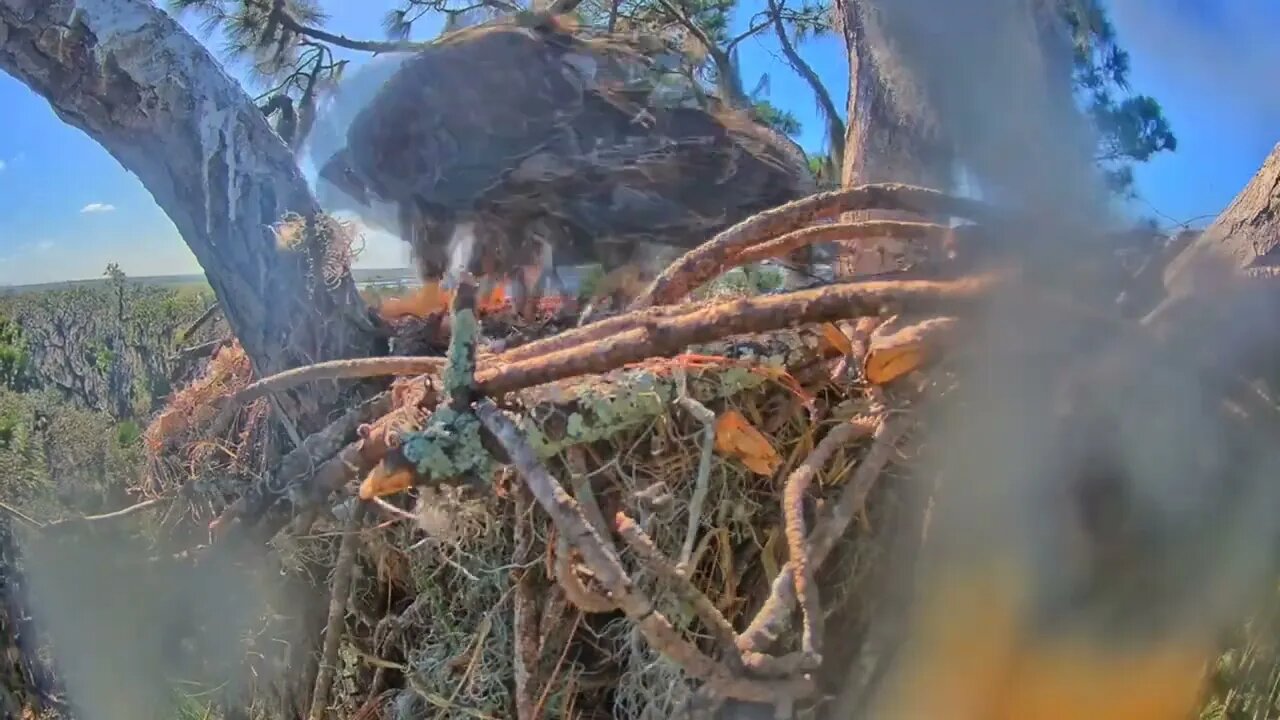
(774, 618)
(460, 371)
(603, 561)
(584, 410)
(448, 446)
(666, 336)
(705, 262)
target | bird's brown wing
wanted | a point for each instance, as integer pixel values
(685, 175)
(455, 119)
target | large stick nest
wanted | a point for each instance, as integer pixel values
(632, 518)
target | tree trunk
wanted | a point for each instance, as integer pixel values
(1246, 235)
(130, 77)
(892, 134)
(1212, 306)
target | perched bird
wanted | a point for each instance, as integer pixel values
(510, 146)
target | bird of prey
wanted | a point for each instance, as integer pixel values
(511, 145)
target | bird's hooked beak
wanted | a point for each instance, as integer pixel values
(339, 172)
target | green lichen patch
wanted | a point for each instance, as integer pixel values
(448, 446)
(460, 372)
(600, 408)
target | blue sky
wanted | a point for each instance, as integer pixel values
(67, 208)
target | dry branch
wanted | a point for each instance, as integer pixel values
(604, 563)
(335, 624)
(864, 230)
(891, 355)
(701, 481)
(524, 616)
(704, 262)
(669, 336)
(641, 544)
(798, 482)
(592, 332)
(656, 332)
(774, 618)
(325, 461)
(341, 369)
(191, 329)
(574, 590)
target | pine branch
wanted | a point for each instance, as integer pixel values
(835, 125)
(726, 72)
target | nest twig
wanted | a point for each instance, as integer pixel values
(862, 230)
(774, 618)
(647, 334)
(720, 253)
(603, 561)
(797, 485)
(707, 418)
(642, 545)
(665, 336)
(335, 624)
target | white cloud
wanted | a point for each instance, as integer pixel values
(2, 165)
(98, 208)
(44, 245)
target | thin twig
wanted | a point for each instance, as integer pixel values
(205, 316)
(727, 78)
(574, 590)
(702, 263)
(861, 230)
(580, 479)
(524, 616)
(123, 512)
(15, 512)
(835, 126)
(774, 617)
(373, 46)
(353, 368)
(335, 624)
(642, 545)
(604, 562)
(793, 495)
(702, 480)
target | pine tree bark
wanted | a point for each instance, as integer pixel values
(892, 133)
(128, 75)
(1223, 289)
(1245, 236)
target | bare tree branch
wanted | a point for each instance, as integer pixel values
(835, 125)
(727, 79)
(291, 23)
